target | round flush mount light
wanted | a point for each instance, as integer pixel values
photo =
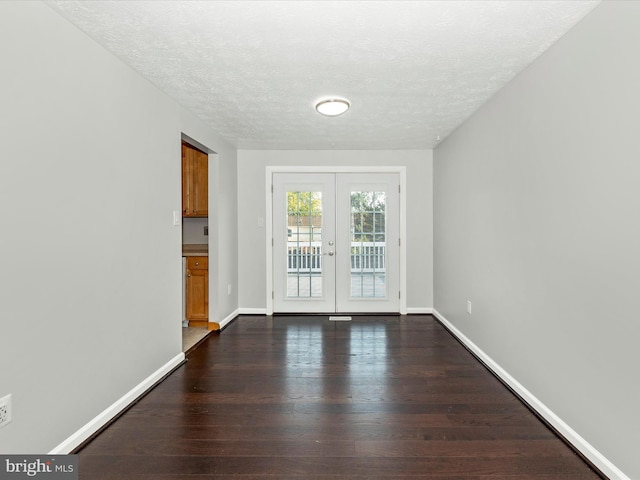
(332, 107)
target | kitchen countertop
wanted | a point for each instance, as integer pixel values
(195, 250)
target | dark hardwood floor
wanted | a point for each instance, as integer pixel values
(299, 397)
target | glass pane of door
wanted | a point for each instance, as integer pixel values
(304, 244)
(368, 240)
(368, 244)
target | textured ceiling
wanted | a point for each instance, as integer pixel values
(252, 70)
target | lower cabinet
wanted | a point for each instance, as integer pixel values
(197, 291)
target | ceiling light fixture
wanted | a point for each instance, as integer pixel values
(332, 107)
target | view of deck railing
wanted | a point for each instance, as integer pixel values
(366, 257)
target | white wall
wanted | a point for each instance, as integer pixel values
(251, 206)
(537, 202)
(90, 288)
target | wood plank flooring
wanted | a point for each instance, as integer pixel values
(299, 397)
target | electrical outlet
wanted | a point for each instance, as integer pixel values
(469, 307)
(6, 412)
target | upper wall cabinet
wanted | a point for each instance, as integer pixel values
(195, 182)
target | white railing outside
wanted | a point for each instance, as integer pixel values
(366, 257)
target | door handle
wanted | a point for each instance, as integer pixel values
(331, 254)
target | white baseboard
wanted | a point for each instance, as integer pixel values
(111, 412)
(263, 311)
(599, 460)
(252, 311)
(229, 318)
(419, 310)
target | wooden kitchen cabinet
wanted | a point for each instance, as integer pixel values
(197, 291)
(195, 182)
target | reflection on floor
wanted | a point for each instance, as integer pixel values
(299, 397)
(191, 336)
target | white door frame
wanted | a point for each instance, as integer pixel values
(270, 170)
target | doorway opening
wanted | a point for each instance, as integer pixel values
(195, 244)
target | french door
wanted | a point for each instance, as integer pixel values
(336, 242)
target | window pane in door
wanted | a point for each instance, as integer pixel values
(368, 245)
(304, 244)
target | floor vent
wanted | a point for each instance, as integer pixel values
(340, 319)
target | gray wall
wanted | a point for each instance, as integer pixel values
(90, 263)
(226, 232)
(251, 206)
(537, 207)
